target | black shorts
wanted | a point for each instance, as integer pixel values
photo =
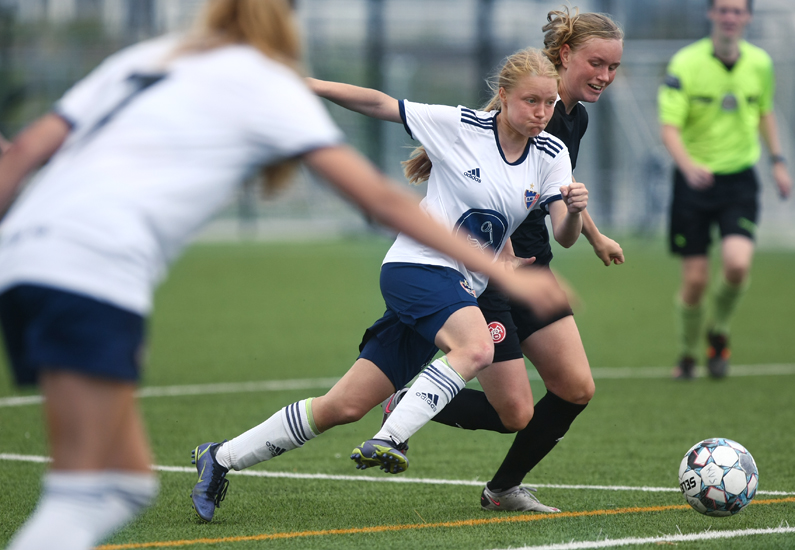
(511, 323)
(50, 328)
(732, 203)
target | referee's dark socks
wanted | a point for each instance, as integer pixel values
(471, 410)
(551, 420)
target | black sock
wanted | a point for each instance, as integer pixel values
(471, 410)
(551, 420)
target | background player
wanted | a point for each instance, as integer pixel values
(141, 153)
(716, 100)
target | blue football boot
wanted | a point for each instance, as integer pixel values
(210, 490)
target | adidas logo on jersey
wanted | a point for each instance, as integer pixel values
(473, 174)
(429, 398)
(274, 450)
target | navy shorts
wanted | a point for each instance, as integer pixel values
(731, 203)
(55, 329)
(510, 323)
(419, 300)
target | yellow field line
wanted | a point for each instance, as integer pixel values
(388, 528)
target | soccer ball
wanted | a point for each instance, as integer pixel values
(718, 477)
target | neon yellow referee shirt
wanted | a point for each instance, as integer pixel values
(717, 109)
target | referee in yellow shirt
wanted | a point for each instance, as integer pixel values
(716, 100)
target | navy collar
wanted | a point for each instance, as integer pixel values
(522, 157)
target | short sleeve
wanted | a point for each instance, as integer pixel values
(555, 174)
(286, 119)
(435, 126)
(108, 84)
(672, 101)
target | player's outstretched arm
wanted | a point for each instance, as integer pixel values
(395, 207)
(355, 98)
(34, 145)
(606, 249)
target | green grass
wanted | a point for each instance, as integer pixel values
(248, 312)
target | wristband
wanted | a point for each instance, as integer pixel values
(775, 159)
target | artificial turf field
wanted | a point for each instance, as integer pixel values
(259, 313)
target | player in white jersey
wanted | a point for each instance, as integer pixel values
(489, 170)
(141, 153)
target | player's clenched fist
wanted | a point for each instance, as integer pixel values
(575, 196)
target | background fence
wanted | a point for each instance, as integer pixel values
(434, 51)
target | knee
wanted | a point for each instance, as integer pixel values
(516, 415)
(735, 273)
(481, 353)
(580, 392)
(693, 287)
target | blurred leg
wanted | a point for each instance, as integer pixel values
(101, 477)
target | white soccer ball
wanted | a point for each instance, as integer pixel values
(718, 477)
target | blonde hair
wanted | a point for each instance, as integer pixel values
(267, 25)
(575, 29)
(526, 62)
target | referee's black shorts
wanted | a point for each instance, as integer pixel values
(732, 203)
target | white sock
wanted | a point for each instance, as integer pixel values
(433, 390)
(77, 510)
(286, 430)
(128, 494)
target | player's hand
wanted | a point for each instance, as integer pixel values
(609, 251)
(698, 177)
(783, 180)
(515, 262)
(575, 197)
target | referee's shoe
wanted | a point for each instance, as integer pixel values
(718, 355)
(685, 369)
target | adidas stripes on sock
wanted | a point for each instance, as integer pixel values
(551, 420)
(77, 510)
(436, 386)
(286, 430)
(471, 410)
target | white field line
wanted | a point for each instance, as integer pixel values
(203, 389)
(666, 539)
(603, 373)
(390, 479)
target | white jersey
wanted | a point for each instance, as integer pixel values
(159, 143)
(472, 187)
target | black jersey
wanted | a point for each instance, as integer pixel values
(531, 238)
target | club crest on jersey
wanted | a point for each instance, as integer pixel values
(473, 174)
(530, 198)
(465, 285)
(497, 331)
